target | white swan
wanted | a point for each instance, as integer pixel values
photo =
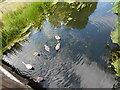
(57, 37)
(38, 79)
(47, 48)
(28, 66)
(57, 46)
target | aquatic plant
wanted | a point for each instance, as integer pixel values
(14, 22)
(116, 39)
(115, 34)
(116, 7)
(115, 60)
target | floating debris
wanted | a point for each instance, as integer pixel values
(12, 44)
(69, 18)
(47, 48)
(44, 63)
(9, 48)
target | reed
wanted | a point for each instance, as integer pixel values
(14, 22)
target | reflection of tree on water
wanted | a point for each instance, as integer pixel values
(74, 15)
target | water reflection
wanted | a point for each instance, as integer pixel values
(92, 77)
(78, 63)
(74, 15)
(69, 67)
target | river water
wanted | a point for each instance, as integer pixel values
(81, 60)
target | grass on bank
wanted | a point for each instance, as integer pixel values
(14, 22)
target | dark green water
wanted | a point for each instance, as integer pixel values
(81, 61)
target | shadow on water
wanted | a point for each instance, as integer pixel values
(80, 61)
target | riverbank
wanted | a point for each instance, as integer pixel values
(18, 21)
(6, 7)
(9, 79)
(8, 83)
(115, 39)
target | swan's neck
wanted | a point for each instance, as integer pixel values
(23, 63)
